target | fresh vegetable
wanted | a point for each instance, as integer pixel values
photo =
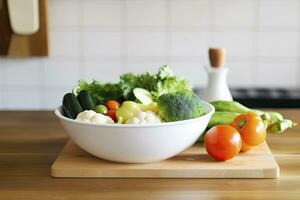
(112, 115)
(112, 105)
(275, 121)
(180, 106)
(281, 126)
(91, 116)
(66, 112)
(127, 110)
(101, 109)
(86, 100)
(157, 84)
(100, 92)
(71, 105)
(130, 109)
(222, 142)
(222, 118)
(245, 147)
(147, 117)
(143, 95)
(130, 81)
(251, 127)
(230, 106)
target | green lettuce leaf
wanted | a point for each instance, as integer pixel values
(129, 81)
(164, 81)
(100, 92)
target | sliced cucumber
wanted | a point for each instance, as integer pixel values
(71, 105)
(143, 95)
(86, 100)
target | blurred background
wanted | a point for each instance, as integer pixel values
(101, 39)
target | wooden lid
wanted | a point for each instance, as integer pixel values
(217, 57)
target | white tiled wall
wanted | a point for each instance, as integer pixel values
(103, 38)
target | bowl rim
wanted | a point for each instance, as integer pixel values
(211, 110)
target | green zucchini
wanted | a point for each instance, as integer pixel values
(222, 117)
(71, 105)
(230, 106)
(86, 100)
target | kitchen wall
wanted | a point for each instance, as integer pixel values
(103, 38)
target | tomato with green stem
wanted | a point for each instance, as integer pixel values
(251, 127)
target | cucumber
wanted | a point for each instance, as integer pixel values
(66, 112)
(86, 100)
(71, 105)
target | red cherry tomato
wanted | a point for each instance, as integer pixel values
(222, 142)
(251, 127)
(112, 105)
(112, 115)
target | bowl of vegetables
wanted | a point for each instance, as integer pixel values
(143, 118)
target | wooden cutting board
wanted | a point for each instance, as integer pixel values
(192, 163)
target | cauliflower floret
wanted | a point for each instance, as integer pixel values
(147, 117)
(85, 115)
(101, 119)
(91, 116)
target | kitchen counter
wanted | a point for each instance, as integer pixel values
(30, 142)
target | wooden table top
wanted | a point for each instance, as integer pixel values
(30, 142)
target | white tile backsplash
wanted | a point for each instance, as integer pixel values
(194, 72)
(64, 13)
(52, 98)
(242, 74)
(237, 44)
(22, 98)
(189, 13)
(142, 66)
(188, 44)
(102, 71)
(64, 44)
(278, 44)
(278, 13)
(146, 44)
(61, 73)
(146, 13)
(27, 75)
(101, 44)
(234, 13)
(100, 39)
(282, 75)
(101, 13)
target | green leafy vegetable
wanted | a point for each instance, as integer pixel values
(100, 92)
(157, 84)
(129, 81)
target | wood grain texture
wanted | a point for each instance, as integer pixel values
(30, 142)
(192, 163)
(25, 45)
(5, 29)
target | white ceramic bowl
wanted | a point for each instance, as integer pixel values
(132, 143)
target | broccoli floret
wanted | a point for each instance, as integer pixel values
(180, 106)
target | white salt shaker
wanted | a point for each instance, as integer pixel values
(217, 88)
